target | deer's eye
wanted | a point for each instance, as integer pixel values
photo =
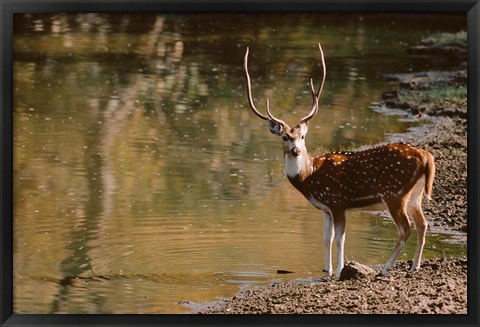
(285, 138)
(303, 137)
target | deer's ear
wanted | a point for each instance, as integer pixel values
(275, 128)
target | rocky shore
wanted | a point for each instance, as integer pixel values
(439, 100)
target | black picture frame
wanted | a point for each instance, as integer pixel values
(471, 8)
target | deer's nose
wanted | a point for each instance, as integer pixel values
(294, 152)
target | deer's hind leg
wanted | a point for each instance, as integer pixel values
(415, 211)
(397, 208)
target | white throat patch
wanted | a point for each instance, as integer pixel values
(293, 166)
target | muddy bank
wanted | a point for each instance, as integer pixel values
(439, 287)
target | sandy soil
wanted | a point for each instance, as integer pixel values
(441, 284)
(429, 290)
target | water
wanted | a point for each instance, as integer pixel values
(141, 177)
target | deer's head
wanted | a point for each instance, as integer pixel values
(293, 138)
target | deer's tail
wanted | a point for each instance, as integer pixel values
(429, 174)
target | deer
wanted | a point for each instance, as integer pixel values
(398, 175)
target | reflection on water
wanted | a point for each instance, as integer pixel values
(142, 179)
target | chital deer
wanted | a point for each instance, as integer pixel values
(396, 174)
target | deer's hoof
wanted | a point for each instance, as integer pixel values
(414, 269)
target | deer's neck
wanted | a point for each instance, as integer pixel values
(299, 167)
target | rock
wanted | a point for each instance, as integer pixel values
(355, 270)
(281, 271)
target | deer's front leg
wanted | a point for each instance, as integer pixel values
(339, 222)
(328, 234)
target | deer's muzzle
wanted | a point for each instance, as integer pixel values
(295, 152)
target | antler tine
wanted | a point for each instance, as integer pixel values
(279, 121)
(249, 89)
(316, 95)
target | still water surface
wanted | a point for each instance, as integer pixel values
(142, 178)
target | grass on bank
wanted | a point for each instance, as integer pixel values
(458, 39)
(441, 97)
